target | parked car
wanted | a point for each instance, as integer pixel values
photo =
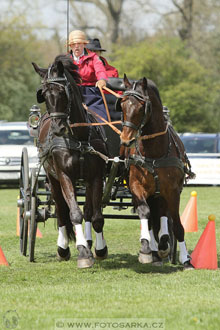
(14, 136)
(203, 151)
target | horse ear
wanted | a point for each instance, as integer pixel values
(144, 83)
(126, 82)
(39, 70)
(60, 68)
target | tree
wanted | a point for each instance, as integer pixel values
(186, 87)
(19, 48)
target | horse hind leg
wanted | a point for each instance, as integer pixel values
(156, 259)
(65, 228)
(87, 210)
(184, 257)
(88, 233)
(163, 235)
(101, 249)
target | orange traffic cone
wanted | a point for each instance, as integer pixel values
(38, 233)
(189, 218)
(204, 255)
(3, 260)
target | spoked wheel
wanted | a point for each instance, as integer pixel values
(25, 198)
(33, 215)
(173, 242)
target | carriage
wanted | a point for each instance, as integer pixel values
(36, 200)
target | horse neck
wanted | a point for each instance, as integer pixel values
(77, 115)
(155, 147)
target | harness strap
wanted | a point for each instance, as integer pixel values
(151, 164)
(105, 121)
(152, 136)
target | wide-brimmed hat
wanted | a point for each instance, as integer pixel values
(94, 44)
(77, 36)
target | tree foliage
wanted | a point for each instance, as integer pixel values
(19, 48)
(186, 87)
(181, 53)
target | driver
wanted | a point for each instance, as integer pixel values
(91, 70)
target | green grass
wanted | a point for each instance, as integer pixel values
(118, 287)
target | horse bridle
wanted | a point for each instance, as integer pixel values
(67, 87)
(147, 109)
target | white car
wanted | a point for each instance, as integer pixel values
(14, 136)
(203, 151)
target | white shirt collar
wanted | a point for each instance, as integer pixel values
(77, 58)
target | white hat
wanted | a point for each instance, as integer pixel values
(77, 36)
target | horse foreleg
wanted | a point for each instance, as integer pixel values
(101, 250)
(85, 258)
(143, 210)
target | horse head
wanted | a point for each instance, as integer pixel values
(59, 90)
(136, 108)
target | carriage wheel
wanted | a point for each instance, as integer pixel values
(173, 242)
(25, 197)
(33, 222)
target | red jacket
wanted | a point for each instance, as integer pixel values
(91, 69)
(110, 70)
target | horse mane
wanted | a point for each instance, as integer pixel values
(71, 71)
(151, 84)
(69, 66)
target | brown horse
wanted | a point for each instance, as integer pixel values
(70, 154)
(157, 165)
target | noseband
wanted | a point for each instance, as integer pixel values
(147, 109)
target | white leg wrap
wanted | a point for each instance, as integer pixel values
(80, 239)
(163, 227)
(184, 255)
(145, 230)
(153, 242)
(100, 242)
(88, 231)
(63, 240)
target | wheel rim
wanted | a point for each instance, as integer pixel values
(25, 196)
(33, 222)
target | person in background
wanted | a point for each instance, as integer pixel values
(95, 46)
(91, 70)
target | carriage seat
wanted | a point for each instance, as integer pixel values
(117, 84)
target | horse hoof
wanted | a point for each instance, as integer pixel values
(85, 263)
(157, 261)
(63, 254)
(164, 253)
(187, 265)
(164, 247)
(101, 254)
(85, 258)
(145, 258)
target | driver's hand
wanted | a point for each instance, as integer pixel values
(100, 83)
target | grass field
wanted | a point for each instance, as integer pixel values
(116, 289)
